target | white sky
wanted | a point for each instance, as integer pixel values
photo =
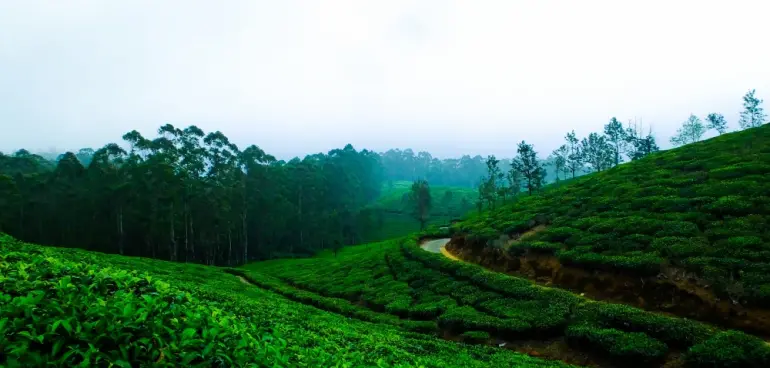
(298, 77)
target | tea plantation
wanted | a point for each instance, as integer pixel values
(72, 308)
(702, 210)
(429, 293)
(393, 212)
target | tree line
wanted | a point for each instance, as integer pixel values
(693, 129)
(189, 196)
(597, 152)
(465, 171)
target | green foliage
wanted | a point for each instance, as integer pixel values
(730, 349)
(691, 131)
(397, 283)
(475, 336)
(703, 207)
(190, 196)
(753, 115)
(421, 201)
(626, 346)
(676, 332)
(717, 122)
(393, 212)
(528, 166)
(67, 307)
(71, 314)
(534, 246)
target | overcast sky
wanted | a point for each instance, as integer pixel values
(299, 77)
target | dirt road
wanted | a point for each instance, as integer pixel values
(438, 246)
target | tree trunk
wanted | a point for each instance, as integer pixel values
(172, 234)
(186, 234)
(192, 238)
(120, 230)
(230, 246)
(245, 235)
(301, 224)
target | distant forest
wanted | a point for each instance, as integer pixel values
(187, 195)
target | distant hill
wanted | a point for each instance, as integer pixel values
(685, 231)
(393, 212)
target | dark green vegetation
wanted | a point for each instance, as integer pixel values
(190, 196)
(394, 210)
(703, 209)
(195, 197)
(695, 219)
(464, 172)
(427, 291)
(67, 307)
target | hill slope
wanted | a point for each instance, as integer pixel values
(467, 303)
(66, 307)
(394, 215)
(686, 231)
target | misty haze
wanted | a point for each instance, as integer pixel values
(420, 183)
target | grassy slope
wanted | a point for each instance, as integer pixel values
(703, 209)
(68, 307)
(397, 220)
(467, 302)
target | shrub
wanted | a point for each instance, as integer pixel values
(679, 247)
(558, 234)
(673, 331)
(68, 314)
(627, 346)
(729, 349)
(518, 248)
(636, 262)
(475, 337)
(731, 205)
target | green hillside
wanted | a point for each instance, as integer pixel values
(684, 231)
(464, 302)
(72, 308)
(394, 214)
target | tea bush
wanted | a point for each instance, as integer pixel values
(729, 349)
(671, 207)
(66, 307)
(470, 301)
(63, 313)
(633, 348)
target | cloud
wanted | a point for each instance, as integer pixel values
(298, 77)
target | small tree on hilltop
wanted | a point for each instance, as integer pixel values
(529, 167)
(716, 122)
(691, 131)
(641, 145)
(616, 138)
(420, 198)
(514, 182)
(488, 189)
(753, 115)
(597, 152)
(574, 154)
(559, 158)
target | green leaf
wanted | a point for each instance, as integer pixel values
(122, 363)
(57, 346)
(188, 333)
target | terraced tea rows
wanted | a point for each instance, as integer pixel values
(477, 306)
(67, 307)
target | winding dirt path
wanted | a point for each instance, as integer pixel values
(439, 246)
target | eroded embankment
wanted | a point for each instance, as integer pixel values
(672, 291)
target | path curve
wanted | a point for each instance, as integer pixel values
(438, 246)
